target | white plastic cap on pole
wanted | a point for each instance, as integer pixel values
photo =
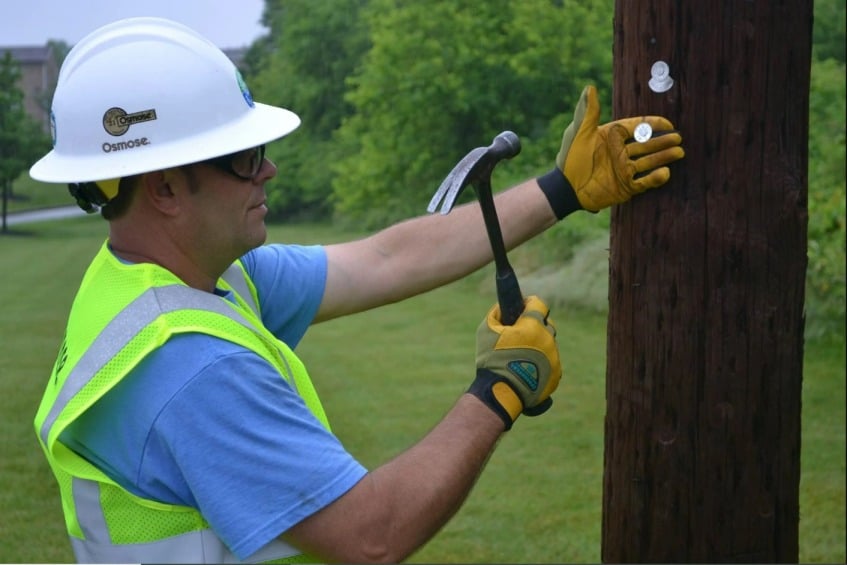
(145, 94)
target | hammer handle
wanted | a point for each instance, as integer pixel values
(508, 290)
(509, 296)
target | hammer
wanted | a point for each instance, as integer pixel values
(475, 169)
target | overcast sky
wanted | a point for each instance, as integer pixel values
(227, 23)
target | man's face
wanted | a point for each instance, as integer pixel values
(224, 215)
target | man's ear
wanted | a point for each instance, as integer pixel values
(157, 188)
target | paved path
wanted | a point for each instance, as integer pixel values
(43, 215)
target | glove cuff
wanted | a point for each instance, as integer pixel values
(497, 394)
(559, 192)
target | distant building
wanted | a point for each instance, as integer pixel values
(236, 55)
(39, 71)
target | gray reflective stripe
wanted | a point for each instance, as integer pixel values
(89, 513)
(234, 276)
(127, 324)
(201, 546)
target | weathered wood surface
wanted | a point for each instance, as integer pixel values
(705, 334)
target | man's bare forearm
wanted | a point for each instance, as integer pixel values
(426, 252)
(401, 505)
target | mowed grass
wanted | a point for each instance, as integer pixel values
(29, 194)
(386, 377)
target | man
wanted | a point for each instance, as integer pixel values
(178, 421)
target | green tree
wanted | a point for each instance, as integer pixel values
(828, 33)
(21, 137)
(444, 77)
(825, 287)
(302, 65)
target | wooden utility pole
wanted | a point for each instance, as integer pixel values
(706, 292)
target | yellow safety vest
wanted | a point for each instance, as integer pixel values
(120, 314)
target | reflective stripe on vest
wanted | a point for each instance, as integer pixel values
(136, 316)
(236, 278)
(183, 548)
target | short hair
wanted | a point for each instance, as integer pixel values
(117, 206)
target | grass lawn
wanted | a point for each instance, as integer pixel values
(386, 377)
(29, 194)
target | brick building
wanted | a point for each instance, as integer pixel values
(39, 70)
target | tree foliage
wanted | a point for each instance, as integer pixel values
(392, 93)
(442, 78)
(21, 138)
(825, 280)
(303, 64)
(829, 32)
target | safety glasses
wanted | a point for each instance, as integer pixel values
(244, 164)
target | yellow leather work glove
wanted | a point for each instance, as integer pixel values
(518, 366)
(603, 163)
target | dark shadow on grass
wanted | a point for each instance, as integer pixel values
(17, 232)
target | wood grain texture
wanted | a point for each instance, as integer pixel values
(706, 288)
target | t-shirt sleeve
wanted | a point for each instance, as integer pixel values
(290, 282)
(253, 458)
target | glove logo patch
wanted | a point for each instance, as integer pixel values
(526, 371)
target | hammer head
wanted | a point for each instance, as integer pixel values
(475, 167)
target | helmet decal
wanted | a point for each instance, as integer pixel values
(116, 121)
(53, 127)
(244, 90)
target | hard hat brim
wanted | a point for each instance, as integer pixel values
(261, 124)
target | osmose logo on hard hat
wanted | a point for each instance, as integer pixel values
(116, 121)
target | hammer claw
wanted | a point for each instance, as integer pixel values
(445, 195)
(455, 182)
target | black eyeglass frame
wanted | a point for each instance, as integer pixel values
(228, 163)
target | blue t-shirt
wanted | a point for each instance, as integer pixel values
(205, 423)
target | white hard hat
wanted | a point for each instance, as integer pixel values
(145, 94)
